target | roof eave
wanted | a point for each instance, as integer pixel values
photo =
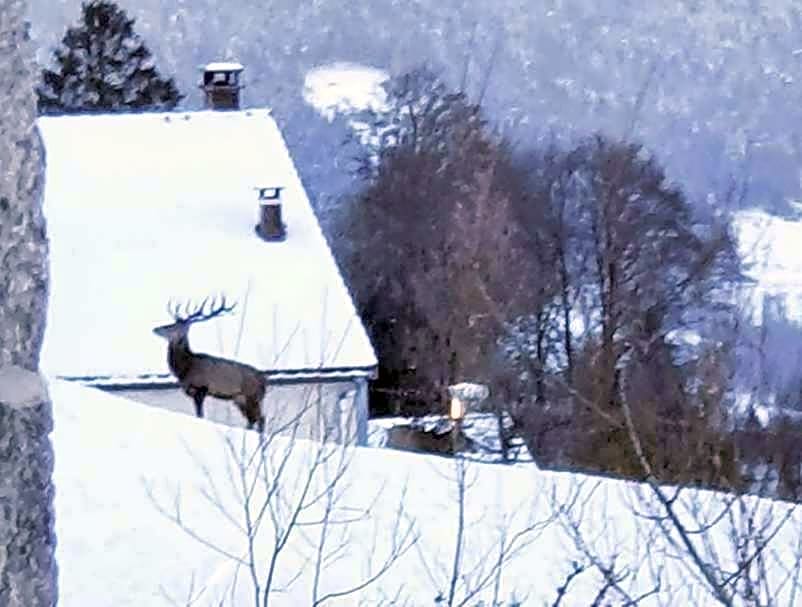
(158, 381)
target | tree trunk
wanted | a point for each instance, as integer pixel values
(27, 539)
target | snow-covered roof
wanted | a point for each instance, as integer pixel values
(115, 548)
(224, 66)
(142, 208)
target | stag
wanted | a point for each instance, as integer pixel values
(202, 375)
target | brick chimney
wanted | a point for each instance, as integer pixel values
(221, 85)
(271, 225)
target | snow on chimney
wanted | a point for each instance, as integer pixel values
(271, 225)
(221, 85)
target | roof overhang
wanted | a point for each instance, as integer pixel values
(158, 381)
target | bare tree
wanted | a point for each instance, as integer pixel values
(733, 545)
(430, 244)
(667, 545)
(28, 565)
(769, 397)
(285, 492)
(614, 568)
(470, 568)
(634, 267)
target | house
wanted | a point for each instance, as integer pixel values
(145, 208)
(122, 469)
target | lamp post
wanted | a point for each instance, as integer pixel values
(456, 412)
(463, 396)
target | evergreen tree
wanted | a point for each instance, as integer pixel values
(104, 66)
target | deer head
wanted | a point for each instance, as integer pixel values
(185, 316)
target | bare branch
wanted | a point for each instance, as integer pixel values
(563, 588)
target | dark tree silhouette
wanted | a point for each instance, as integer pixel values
(103, 65)
(636, 270)
(428, 246)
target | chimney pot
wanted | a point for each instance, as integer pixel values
(221, 85)
(271, 225)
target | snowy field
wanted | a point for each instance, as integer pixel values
(728, 72)
(116, 548)
(347, 89)
(772, 246)
(344, 88)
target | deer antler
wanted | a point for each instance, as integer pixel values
(199, 313)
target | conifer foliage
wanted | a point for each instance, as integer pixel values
(102, 65)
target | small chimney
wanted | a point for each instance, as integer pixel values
(271, 226)
(221, 85)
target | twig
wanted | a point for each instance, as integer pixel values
(563, 588)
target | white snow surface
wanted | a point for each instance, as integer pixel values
(771, 245)
(115, 548)
(344, 87)
(224, 66)
(142, 208)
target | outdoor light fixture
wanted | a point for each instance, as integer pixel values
(457, 409)
(464, 396)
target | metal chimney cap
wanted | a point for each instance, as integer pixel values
(269, 193)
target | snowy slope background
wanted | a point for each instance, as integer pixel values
(116, 548)
(717, 85)
(721, 80)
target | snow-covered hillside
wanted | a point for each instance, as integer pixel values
(116, 548)
(344, 88)
(712, 87)
(771, 248)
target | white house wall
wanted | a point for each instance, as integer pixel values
(342, 404)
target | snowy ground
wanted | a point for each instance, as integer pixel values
(480, 428)
(346, 88)
(770, 245)
(116, 548)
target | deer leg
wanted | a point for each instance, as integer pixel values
(198, 396)
(254, 412)
(242, 405)
(256, 420)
